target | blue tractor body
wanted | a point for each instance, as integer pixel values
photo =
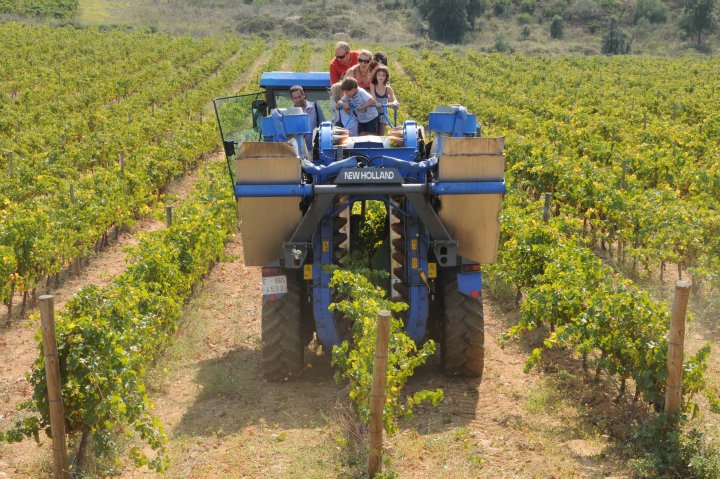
(432, 191)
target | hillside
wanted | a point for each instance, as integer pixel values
(579, 26)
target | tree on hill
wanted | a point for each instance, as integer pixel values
(655, 11)
(448, 19)
(557, 27)
(699, 16)
(476, 8)
(615, 41)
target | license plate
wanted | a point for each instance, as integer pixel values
(274, 285)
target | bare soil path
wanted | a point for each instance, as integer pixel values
(225, 421)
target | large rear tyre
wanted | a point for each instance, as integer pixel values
(283, 344)
(463, 325)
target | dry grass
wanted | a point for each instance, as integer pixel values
(401, 26)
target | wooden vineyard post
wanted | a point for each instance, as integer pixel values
(52, 373)
(168, 216)
(377, 393)
(676, 340)
(75, 263)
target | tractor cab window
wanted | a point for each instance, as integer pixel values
(238, 116)
(320, 97)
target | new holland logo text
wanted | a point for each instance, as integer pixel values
(369, 175)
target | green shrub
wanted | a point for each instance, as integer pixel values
(594, 27)
(527, 6)
(40, 8)
(556, 7)
(665, 448)
(372, 231)
(502, 44)
(524, 19)
(477, 8)
(448, 20)
(557, 27)
(615, 41)
(363, 302)
(262, 23)
(502, 8)
(525, 32)
(654, 10)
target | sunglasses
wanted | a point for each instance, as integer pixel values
(340, 57)
(360, 60)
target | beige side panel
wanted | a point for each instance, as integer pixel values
(267, 163)
(473, 220)
(472, 158)
(472, 144)
(265, 223)
(472, 167)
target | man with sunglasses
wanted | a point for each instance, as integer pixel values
(344, 59)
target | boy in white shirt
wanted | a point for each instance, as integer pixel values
(363, 105)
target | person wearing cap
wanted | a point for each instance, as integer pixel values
(344, 59)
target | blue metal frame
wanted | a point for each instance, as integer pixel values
(406, 160)
(418, 288)
(323, 251)
(305, 190)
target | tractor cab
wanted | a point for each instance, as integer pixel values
(277, 89)
(240, 116)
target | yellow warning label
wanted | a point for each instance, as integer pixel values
(413, 245)
(307, 272)
(414, 263)
(326, 246)
(432, 270)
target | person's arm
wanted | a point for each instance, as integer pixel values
(344, 103)
(391, 96)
